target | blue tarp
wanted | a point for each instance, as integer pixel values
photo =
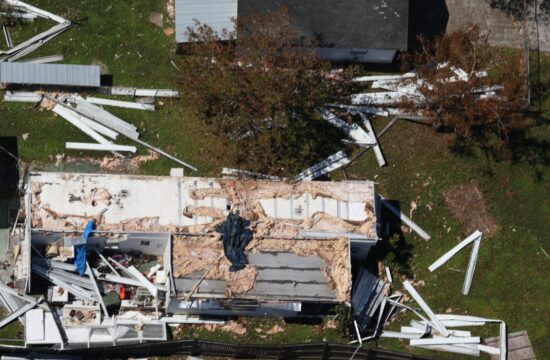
(80, 257)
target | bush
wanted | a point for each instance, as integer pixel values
(260, 93)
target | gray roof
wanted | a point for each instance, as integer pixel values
(280, 276)
(50, 74)
(217, 14)
(365, 24)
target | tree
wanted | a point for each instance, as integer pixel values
(488, 100)
(260, 92)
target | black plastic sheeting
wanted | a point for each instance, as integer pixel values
(235, 237)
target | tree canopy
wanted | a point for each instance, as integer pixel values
(260, 91)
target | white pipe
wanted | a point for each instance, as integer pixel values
(449, 254)
(471, 267)
(100, 147)
(122, 104)
(437, 323)
(446, 341)
(417, 229)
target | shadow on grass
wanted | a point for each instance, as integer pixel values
(393, 249)
(527, 145)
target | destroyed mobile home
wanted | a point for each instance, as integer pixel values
(120, 256)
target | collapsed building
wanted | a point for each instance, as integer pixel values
(156, 255)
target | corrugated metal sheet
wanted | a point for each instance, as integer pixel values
(50, 74)
(215, 13)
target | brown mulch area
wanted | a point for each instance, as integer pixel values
(465, 202)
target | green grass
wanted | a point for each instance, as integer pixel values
(114, 34)
(511, 279)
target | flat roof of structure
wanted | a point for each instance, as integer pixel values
(283, 263)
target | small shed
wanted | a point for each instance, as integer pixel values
(218, 14)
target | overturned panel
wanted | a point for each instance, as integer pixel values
(49, 74)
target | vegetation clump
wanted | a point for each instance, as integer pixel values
(260, 90)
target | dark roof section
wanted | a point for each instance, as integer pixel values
(374, 24)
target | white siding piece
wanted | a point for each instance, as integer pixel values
(412, 329)
(400, 335)
(403, 306)
(122, 104)
(468, 318)
(471, 267)
(103, 130)
(146, 283)
(100, 147)
(446, 341)
(42, 13)
(458, 349)
(485, 348)
(103, 117)
(22, 96)
(379, 98)
(17, 313)
(46, 59)
(377, 149)
(129, 91)
(71, 117)
(363, 109)
(417, 229)
(331, 163)
(388, 275)
(384, 77)
(443, 259)
(354, 131)
(96, 290)
(436, 322)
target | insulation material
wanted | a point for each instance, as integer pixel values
(199, 254)
(64, 201)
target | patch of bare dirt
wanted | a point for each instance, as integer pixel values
(465, 202)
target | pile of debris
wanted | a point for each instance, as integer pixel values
(99, 124)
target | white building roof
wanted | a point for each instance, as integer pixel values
(218, 14)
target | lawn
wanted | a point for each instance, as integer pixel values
(511, 279)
